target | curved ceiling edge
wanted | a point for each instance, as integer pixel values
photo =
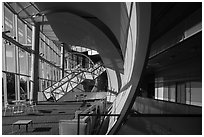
(93, 20)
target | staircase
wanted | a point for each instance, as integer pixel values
(72, 80)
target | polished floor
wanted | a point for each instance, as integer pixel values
(46, 122)
(162, 125)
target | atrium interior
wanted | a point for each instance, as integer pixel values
(101, 68)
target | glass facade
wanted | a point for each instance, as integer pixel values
(16, 62)
(180, 92)
(48, 73)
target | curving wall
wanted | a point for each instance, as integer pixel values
(134, 60)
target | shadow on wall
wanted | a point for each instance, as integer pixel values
(166, 118)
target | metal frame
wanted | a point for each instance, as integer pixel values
(75, 79)
(7, 38)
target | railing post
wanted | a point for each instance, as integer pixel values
(78, 124)
(78, 121)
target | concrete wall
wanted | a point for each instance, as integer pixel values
(151, 106)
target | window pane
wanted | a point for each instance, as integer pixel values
(160, 93)
(3, 56)
(165, 94)
(196, 93)
(172, 91)
(23, 87)
(9, 22)
(40, 68)
(29, 64)
(21, 32)
(10, 59)
(29, 36)
(23, 61)
(10, 86)
(156, 95)
(188, 93)
(9, 26)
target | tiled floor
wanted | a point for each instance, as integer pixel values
(45, 119)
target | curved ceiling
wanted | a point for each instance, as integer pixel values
(73, 29)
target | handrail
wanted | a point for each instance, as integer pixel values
(78, 121)
(166, 115)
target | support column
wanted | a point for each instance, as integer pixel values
(35, 62)
(17, 66)
(68, 66)
(151, 86)
(4, 62)
(183, 94)
(27, 63)
(4, 77)
(62, 61)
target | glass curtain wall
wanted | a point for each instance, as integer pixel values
(180, 92)
(16, 62)
(48, 73)
(9, 63)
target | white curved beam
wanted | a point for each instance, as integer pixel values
(127, 95)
